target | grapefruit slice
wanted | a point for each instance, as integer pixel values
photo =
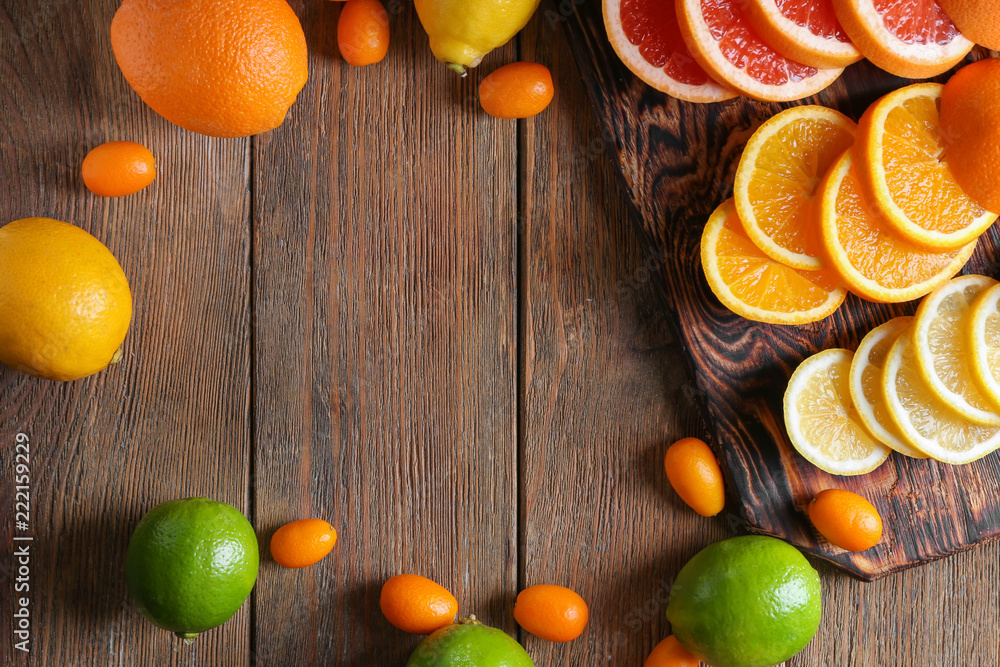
(804, 30)
(645, 36)
(722, 40)
(914, 39)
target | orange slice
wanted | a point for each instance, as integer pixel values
(899, 150)
(722, 40)
(874, 262)
(645, 36)
(913, 39)
(753, 285)
(777, 179)
(803, 30)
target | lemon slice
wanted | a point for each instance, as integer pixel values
(866, 385)
(983, 334)
(924, 420)
(941, 347)
(821, 420)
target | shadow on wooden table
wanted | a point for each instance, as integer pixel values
(87, 576)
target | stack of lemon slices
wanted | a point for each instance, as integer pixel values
(822, 206)
(923, 386)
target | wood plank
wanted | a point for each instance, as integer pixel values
(172, 419)
(606, 388)
(384, 346)
(938, 614)
(678, 161)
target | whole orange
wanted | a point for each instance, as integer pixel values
(218, 67)
(417, 604)
(551, 612)
(978, 20)
(846, 519)
(517, 90)
(65, 304)
(118, 168)
(970, 127)
(670, 653)
(302, 543)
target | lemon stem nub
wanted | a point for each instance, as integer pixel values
(117, 356)
(188, 637)
(460, 69)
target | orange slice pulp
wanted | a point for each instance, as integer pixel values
(756, 287)
(871, 259)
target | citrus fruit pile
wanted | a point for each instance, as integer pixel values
(822, 206)
(926, 386)
(776, 50)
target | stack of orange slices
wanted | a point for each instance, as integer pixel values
(778, 50)
(926, 386)
(829, 206)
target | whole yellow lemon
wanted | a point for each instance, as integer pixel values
(463, 31)
(65, 304)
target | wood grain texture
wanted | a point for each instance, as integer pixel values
(605, 387)
(171, 420)
(385, 346)
(328, 323)
(678, 162)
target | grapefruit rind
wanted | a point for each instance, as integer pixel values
(798, 42)
(705, 49)
(867, 29)
(630, 55)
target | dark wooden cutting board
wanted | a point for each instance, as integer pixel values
(677, 161)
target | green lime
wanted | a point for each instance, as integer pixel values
(191, 564)
(750, 601)
(469, 643)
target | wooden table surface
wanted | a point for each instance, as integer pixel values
(438, 330)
